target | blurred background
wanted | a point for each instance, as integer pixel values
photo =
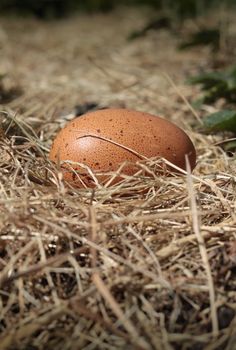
(47, 9)
(119, 53)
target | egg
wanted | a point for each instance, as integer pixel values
(104, 139)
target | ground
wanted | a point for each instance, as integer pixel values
(145, 264)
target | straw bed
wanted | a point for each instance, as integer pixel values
(148, 263)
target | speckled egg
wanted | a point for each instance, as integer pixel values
(104, 139)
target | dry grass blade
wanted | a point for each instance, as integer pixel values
(203, 250)
(183, 98)
(81, 310)
(29, 329)
(109, 299)
(124, 321)
(39, 267)
(117, 144)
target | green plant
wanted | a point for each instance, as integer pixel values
(215, 85)
(224, 120)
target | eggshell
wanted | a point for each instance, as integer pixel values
(106, 138)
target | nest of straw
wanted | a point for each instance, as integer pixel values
(148, 263)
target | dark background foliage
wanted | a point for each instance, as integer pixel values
(60, 8)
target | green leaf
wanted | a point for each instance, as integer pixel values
(224, 120)
(197, 104)
(207, 79)
(217, 85)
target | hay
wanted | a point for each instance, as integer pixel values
(148, 263)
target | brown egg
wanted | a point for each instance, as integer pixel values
(105, 139)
